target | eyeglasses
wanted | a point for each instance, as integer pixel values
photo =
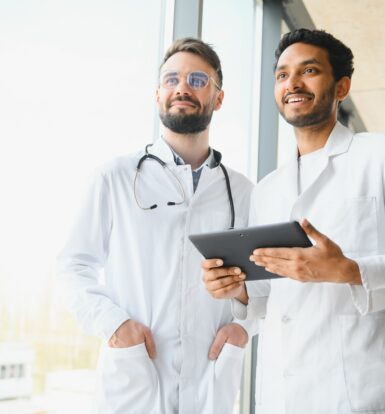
(195, 80)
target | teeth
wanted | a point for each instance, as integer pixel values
(292, 100)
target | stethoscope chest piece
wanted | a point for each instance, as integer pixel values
(167, 171)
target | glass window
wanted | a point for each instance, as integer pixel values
(77, 87)
(230, 29)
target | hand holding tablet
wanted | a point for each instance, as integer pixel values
(234, 247)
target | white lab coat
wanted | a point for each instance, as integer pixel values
(322, 346)
(152, 274)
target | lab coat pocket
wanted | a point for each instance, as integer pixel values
(353, 225)
(128, 381)
(227, 378)
(363, 353)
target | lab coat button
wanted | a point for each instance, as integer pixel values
(287, 374)
(285, 319)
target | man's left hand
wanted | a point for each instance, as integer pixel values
(323, 262)
(231, 333)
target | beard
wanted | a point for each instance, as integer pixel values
(182, 123)
(320, 113)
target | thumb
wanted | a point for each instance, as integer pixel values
(150, 343)
(312, 232)
(217, 346)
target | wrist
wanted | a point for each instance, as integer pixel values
(352, 273)
(243, 297)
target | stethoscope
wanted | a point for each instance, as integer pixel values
(148, 156)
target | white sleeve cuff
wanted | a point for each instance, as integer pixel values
(360, 293)
(255, 309)
(238, 309)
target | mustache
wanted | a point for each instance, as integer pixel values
(184, 99)
(297, 92)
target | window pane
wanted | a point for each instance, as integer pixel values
(77, 87)
(230, 29)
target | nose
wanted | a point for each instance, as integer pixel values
(293, 82)
(183, 87)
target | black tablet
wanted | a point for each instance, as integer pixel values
(234, 247)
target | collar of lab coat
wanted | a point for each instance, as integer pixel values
(337, 143)
(164, 152)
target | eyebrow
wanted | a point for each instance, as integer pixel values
(169, 72)
(303, 63)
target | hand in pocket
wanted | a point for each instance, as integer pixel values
(131, 333)
(231, 333)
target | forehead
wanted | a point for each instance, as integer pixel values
(186, 62)
(298, 54)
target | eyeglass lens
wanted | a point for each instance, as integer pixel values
(195, 80)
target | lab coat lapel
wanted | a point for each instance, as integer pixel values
(337, 143)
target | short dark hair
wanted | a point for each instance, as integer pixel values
(340, 56)
(197, 47)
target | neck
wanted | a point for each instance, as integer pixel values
(314, 137)
(193, 148)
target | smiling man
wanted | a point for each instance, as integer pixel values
(322, 342)
(156, 320)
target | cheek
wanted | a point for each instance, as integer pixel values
(278, 93)
(163, 98)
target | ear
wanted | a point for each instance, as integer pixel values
(219, 100)
(343, 88)
(157, 96)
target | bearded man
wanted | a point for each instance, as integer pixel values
(159, 326)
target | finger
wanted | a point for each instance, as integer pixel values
(312, 232)
(149, 343)
(217, 345)
(227, 292)
(277, 252)
(224, 282)
(211, 263)
(288, 269)
(214, 274)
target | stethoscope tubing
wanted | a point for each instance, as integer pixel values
(148, 156)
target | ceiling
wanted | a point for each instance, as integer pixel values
(360, 25)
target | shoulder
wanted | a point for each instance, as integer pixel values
(119, 165)
(369, 139)
(371, 145)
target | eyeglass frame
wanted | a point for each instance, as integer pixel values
(187, 77)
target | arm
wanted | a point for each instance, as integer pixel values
(80, 263)
(325, 262)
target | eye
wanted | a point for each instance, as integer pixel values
(198, 80)
(170, 81)
(281, 75)
(310, 70)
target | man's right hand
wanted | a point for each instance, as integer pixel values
(224, 282)
(131, 333)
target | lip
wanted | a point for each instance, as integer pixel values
(183, 104)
